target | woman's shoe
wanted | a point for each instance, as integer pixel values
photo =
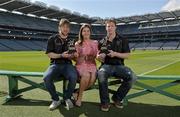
(78, 103)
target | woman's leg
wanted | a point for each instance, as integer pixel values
(83, 85)
(92, 79)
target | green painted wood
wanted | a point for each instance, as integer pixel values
(157, 90)
(13, 86)
(159, 77)
(36, 85)
(16, 73)
(145, 91)
(14, 76)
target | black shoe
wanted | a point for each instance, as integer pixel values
(117, 103)
(105, 107)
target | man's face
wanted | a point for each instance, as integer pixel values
(64, 29)
(110, 28)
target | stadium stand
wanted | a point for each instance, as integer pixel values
(27, 26)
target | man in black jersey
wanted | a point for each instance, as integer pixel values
(113, 50)
(60, 65)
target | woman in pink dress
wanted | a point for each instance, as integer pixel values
(87, 50)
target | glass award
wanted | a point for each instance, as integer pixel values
(105, 48)
(71, 47)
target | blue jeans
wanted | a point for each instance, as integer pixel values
(118, 71)
(57, 71)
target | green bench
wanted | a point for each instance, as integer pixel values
(15, 76)
(14, 91)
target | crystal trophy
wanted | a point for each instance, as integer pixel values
(105, 48)
(71, 47)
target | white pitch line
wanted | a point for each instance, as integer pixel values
(159, 68)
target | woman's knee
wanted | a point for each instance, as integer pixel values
(85, 75)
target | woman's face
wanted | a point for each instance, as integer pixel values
(86, 33)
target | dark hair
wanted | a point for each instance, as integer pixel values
(110, 21)
(64, 21)
(80, 38)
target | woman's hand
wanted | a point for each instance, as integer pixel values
(101, 57)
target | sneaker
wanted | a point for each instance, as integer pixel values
(105, 107)
(69, 104)
(78, 103)
(117, 104)
(54, 105)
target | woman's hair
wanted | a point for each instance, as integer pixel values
(80, 38)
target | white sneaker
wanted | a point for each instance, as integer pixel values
(54, 105)
(69, 104)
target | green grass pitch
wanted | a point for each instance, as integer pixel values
(36, 102)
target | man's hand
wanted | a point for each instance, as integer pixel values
(112, 53)
(101, 57)
(75, 55)
(66, 55)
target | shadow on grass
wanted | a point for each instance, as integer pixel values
(91, 109)
(27, 102)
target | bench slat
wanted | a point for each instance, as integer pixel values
(19, 73)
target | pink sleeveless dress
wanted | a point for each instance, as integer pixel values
(87, 53)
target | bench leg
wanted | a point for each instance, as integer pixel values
(13, 88)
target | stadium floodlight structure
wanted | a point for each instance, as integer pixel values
(98, 20)
(40, 9)
(76, 13)
(42, 4)
(84, 15)
(54, 7)
(27, 1)
(66, 11)
(2, 2)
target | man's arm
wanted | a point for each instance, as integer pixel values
(125, 51)
(119, 55)
(55, 56)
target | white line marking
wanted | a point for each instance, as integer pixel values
(159, 68)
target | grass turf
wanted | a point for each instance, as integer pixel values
(35, 103)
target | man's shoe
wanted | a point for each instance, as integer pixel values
(117, 104)
(69, 104)
(54, 105)
(105, 107)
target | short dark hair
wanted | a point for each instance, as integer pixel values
(110, 21)
(64, 21)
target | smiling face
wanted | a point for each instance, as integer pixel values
(64, 29)
(110, 27)
(86, 33)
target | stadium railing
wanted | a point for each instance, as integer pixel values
(15, 76)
